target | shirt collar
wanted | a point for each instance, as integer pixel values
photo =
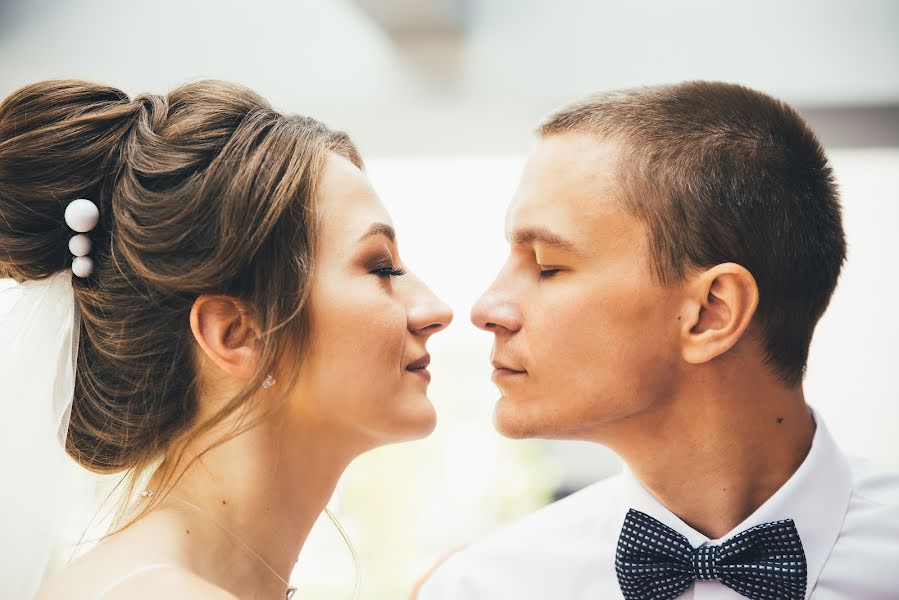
(816, 497)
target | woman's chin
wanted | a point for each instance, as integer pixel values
(416, 420)
(428, 422)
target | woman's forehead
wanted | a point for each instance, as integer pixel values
(348, 205)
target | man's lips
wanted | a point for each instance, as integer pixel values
(502, 370)
(501, 366)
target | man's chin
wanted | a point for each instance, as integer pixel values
(518, 418)
(518, 422)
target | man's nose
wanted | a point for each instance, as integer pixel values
(496, 311)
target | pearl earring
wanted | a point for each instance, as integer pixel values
(268, 382)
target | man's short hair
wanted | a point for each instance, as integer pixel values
(722, 173)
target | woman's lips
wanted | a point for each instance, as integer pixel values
(420, 367)
(421, 372)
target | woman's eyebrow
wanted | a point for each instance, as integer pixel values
(380, 229)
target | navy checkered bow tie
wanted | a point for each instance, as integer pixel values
(654, 562)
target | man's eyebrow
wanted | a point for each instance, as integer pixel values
(539, 235)
(380, 229)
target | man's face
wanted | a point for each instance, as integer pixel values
(584, 336)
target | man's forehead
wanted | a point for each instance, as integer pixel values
(574, 157)
(568, 184)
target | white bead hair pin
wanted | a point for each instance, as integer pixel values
(81, 215)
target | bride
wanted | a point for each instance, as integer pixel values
(242, 325)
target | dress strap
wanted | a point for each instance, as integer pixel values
(134, 573)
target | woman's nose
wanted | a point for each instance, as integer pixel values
(428, 314)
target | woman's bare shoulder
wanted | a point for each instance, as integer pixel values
(168, 583)
(151, 581)
(132, 567)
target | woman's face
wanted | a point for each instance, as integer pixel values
(365, 372)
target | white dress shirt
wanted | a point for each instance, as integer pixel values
(846, 512)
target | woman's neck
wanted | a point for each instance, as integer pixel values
(266, 488)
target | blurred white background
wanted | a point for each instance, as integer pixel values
(442, 96)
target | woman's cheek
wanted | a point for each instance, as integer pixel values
(365, 326)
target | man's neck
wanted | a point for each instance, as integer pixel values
(716, 453)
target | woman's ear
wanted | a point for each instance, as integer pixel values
(226, 333)
(721, 304)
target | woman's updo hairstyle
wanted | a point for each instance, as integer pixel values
(207, 190)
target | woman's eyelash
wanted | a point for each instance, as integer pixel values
(389, 271)
(547, 273)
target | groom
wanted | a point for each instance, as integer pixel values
(671, 251)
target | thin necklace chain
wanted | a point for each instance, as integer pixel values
(290, 589)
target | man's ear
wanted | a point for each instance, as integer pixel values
(226, 333)
(721, 302)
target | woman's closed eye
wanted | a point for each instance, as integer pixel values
(387, 270)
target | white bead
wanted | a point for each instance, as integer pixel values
(80, 245)
(82, 266)
(82, 215)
